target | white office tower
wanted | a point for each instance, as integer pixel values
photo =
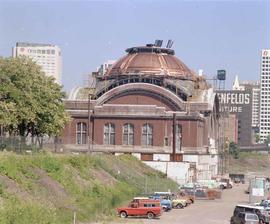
(265, 95)
(256, 106)
(46, 55)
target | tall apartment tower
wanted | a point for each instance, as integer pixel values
(256, 107)
(46, 55)
(265, 95)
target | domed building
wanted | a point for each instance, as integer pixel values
(151, 105)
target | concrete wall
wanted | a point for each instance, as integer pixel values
(206, 165)
(161, 157)
(178, 171)
(190, 158)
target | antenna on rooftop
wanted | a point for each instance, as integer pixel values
(169, 44)
(158, 43)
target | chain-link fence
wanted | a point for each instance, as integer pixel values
(22, 144)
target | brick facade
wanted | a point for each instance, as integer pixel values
(194, 127)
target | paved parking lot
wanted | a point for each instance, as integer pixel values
(203, 211)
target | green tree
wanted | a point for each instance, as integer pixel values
(30, 102)
(267, 140)
(234, 150)
(257, 137)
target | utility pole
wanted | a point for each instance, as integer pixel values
(89, 123)
(174, 137)
(74, 217)
(221, 78)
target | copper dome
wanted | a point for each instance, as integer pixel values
(151, 60)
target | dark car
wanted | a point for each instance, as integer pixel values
(245, 218)
(262, 213)
(237, 180)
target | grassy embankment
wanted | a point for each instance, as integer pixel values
(46, 188)
(250, 162)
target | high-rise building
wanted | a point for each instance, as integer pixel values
(256, 107)
(265, 95)
(46, 55)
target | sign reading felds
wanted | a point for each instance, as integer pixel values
(233, 101)
(234, 98)
(239, 103)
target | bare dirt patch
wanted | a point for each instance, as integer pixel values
(13, 188)
(53, 191)
(104, 177)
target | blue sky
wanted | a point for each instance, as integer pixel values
(208, 35)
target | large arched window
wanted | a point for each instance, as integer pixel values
(128, 134)
(81, 132)
(109, 134)
(147, 135)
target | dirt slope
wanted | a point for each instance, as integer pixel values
(250, 163)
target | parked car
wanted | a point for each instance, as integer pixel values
(141, 207)
(262, 213)
(188, 197)
(237, 178)
(166, 204)
(222, 185)
(264, 203)
(225, 183)
(179, 203)
(176, 202)
(245, 218)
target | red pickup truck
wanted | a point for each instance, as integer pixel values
(141, 207)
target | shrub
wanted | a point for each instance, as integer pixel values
(234, 150)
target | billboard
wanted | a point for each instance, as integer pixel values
(234, 102)
(257, 188)
(238, 102)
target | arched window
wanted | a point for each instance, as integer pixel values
(128, 134)
(147, 135)
(109, 134)
(81, 131)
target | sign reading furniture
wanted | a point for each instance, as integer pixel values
(238, 103)
(233, 102)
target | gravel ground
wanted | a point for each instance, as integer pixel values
(202, 211)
